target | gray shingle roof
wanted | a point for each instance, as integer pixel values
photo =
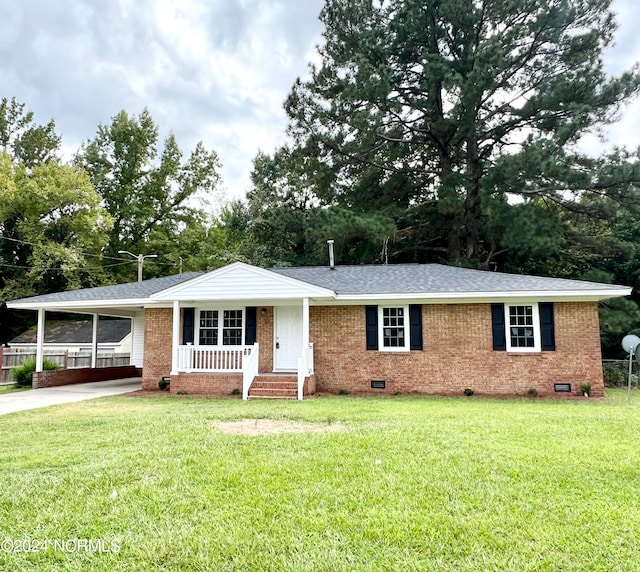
(77, 332)
(384, 280)
(428, 279)
(130, 290)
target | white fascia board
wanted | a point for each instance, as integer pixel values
(125, 308)
(307, 290)
(480, 297)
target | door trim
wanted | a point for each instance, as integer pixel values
(276, 368)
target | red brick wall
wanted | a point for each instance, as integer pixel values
(158, 327)
(309, 387)
(56, 378)
(265, 339)
(206, 384)
(457, 354)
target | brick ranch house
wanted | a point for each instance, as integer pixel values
(291, 332)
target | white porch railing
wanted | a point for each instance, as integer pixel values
(250, 370)
(214, 359)
(305, 367)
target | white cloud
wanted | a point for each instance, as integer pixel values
(211, 70)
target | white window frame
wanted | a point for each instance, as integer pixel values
(221, 311)
(535, 317)
(406, 328)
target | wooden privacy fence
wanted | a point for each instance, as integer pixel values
(65, 359)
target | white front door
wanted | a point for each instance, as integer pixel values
(288, 338)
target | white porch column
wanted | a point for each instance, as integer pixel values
(40, 340)
(94, 342)
(175, 338)
(305, 323)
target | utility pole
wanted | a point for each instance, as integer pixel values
(140, 258)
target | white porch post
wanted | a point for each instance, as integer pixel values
(303, 360)
(175, 338)
(40, 340)
(305, 322)
(94, 342)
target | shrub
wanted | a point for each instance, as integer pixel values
(182, 392)
(532, 392)
(343, 392)
(235, 391)
(586, 389)
(23, 374)
(613, 376)
(163, 384)
(468, 392)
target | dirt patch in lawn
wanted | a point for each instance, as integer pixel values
(275, 427)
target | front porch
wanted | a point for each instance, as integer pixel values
(229, 370)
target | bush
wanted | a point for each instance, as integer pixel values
(469, 392)
(163, 384)
(23, 374)
(235, 391)
(613, 376)
(532, 392)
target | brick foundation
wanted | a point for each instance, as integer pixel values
(56, 378)
(206, 384)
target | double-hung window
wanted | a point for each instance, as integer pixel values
(394, 328)
(523, 328)
(208, 328)
(232, 328)
(220, 325)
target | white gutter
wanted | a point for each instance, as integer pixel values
(576, 295)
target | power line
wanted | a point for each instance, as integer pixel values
(81, 253)
(104, 257)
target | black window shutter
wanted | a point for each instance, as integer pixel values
(372, 327)
(250, 330)
(415, 326)
(497, 326)
(547, 327)
(188, 320)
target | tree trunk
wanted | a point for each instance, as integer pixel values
(472, 204)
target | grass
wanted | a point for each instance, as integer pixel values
(410, 484)
(12, 388)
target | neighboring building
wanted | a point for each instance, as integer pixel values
(114, 336)
(424, 329)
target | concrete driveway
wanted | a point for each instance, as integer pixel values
(35, 398)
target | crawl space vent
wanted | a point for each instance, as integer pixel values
(562, 387)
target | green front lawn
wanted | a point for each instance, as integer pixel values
(408, 484)
(11, 388)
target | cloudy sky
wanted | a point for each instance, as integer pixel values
(210, 70)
